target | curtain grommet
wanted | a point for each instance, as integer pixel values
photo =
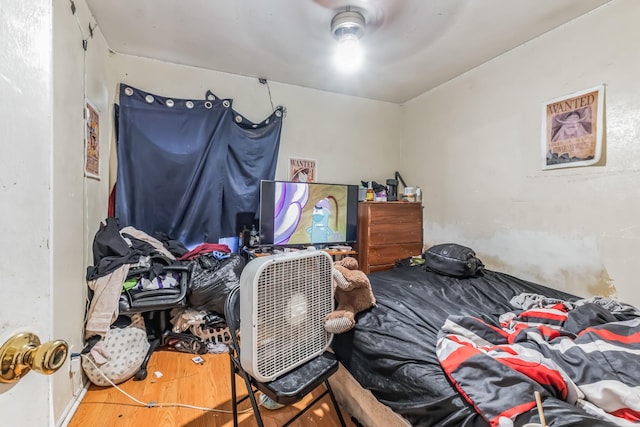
(170, 103)
(238, 119)
(128, 91)
(211, 97)
(149, 99)
(189, 104)
(208, 105)
(278, 113)
(226, 103)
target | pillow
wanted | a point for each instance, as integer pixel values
(452, 259)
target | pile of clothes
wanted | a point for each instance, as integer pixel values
(134, 277)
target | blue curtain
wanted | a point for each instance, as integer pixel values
(190, 168)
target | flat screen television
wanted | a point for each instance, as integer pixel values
(307, 213)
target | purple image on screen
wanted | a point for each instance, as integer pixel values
(290, 198)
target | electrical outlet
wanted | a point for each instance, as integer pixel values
(74, 366)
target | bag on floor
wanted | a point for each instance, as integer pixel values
(117, 356)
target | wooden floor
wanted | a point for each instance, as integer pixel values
(185, 382)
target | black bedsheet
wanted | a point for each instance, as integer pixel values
(391, 350)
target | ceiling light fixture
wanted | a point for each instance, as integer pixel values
(348, 28)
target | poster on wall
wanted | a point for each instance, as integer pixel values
(302, 170)
(92, 142)
(572, 129)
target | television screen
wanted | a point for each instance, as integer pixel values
(307, 213)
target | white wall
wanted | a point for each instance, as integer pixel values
(25, 195)
(79, 203)
(351, 138)
(474, 145)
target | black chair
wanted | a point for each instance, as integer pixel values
(155, 305)
(286, 389)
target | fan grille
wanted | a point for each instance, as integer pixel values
(294, 297)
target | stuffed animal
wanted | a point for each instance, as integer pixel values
(352, 293)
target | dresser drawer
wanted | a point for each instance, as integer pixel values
(393, 214)
(388, 254)
(384, 234)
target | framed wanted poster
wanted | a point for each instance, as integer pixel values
(572, 129)
(302, 170)
(92, 142)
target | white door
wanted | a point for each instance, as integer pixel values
(25, 196)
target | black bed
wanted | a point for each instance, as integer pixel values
(391, 349)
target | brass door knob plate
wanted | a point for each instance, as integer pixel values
(23, 352)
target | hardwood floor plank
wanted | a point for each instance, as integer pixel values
(185, 382)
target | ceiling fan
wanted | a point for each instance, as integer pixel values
(350, 23)
(374, 12)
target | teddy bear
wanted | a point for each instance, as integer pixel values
(352, 293)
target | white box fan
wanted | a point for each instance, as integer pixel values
(283, 301)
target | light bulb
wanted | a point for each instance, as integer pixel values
(349, 55)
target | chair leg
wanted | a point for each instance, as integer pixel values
(311, 404)
(142, 372)
(252, 398)
(250, 393)
(306, 408)
(234, 397)
(335, 404)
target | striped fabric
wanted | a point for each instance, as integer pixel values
(498, 366)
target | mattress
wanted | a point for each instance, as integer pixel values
(391, 350)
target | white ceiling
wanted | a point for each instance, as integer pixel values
(411, 45)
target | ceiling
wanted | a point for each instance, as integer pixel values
(411, 45)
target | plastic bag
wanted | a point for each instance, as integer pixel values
(212, 280)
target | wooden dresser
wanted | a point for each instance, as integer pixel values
(387, 231)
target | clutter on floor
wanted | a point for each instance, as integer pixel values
(148, 292)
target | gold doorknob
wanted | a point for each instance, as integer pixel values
(23, 352)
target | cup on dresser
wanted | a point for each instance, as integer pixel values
(410, 194)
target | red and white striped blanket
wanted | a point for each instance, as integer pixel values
(583, 355)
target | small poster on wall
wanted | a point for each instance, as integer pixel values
(92, 142)
(572, 129)
(302, 170)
